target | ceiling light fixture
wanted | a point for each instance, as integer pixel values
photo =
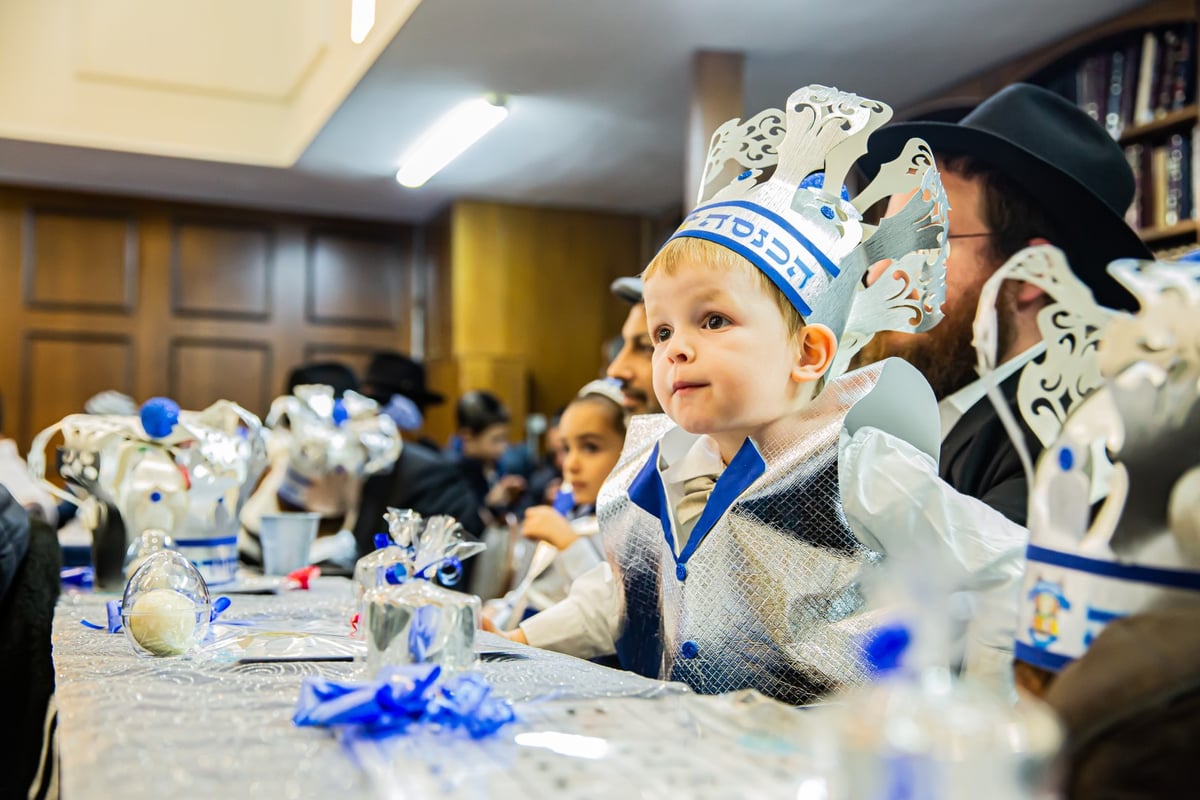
(362, 19)
(449, 137)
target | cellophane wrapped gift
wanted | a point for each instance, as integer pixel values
(413, 620)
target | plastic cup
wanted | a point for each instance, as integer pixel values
(286, 540)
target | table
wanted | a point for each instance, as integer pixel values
(138, 728)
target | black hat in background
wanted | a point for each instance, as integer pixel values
(392, 373)
(628, 289)
(1058, 154)
(328, 373)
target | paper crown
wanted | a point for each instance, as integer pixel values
(801, 228)
(1135, 443)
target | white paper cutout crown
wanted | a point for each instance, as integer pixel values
(800, 227)
(1135, 442)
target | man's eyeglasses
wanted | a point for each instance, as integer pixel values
(969, 235)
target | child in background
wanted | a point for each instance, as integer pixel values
(482, 438)
(592, 431)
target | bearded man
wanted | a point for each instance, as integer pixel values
(1026, 167)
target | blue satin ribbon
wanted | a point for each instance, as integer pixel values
(401, 697)
(83, 577)
(113, 609)
(449, 571)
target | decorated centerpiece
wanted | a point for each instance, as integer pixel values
(163, 479)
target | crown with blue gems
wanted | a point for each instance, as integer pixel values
(800, 226)
(1114, 512)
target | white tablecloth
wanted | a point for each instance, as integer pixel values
(138, 728)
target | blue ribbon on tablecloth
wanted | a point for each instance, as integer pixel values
(401, 697)
(113, 609)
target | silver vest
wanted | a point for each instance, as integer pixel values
(765, 594)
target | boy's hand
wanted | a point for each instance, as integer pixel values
(545, 524)
(505, 491)
(517, 635)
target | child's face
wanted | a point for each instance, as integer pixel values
(488, 445)
(590, 448)
(723, 358)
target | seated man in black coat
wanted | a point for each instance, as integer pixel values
(422, 478)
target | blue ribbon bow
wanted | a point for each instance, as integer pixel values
(401, 697)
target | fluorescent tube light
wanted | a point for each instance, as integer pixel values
(362, 19)
(448, 138)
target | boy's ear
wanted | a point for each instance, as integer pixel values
(816, 349)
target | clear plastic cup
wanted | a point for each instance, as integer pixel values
(286, 540)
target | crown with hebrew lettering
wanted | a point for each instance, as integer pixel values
(1114, 513)
(787, 212)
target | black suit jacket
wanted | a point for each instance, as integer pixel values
(423, 480)
(978, 457)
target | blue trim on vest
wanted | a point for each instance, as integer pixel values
(1155, 576)
(745, 468)
(646, 491)
(1040, 658)
(224, 540)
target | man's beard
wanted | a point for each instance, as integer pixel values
(945, 354)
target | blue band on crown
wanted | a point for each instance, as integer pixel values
(766, 240)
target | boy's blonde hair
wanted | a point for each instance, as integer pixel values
(703, 254)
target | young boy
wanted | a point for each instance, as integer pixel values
(730, 561)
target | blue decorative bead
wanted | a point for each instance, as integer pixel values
(826, 212)
(155, 497)
(340, 414)
(884, 647)
(681, 571)
(745, 175)
(1066, 459)
(689, 649)
(382, 540)
(159, 416)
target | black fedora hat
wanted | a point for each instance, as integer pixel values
(392, 373)
(1057, 153)
(329, 373)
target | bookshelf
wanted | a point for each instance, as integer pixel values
(1137, 75)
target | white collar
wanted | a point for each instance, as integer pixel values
(953, 407)
(681, 458)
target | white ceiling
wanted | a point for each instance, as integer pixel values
(599, 95)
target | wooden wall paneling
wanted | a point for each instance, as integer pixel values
(357, 357)
(79, 260)
(60, 370)
(356, 280)
(442, 375)
(532, 285)
(202, 371)
(438, 267)
(221, 270)
(11, 317)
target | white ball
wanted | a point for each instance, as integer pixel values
(164, 622)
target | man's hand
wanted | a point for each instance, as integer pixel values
(545, 524)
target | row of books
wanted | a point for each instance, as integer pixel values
(1164, 182)
(1135, 82)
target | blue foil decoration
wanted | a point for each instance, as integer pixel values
(401, 697)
